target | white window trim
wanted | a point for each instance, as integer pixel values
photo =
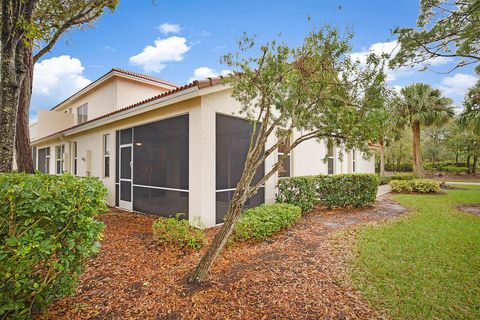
(333, 159)
(61, 159)
(85, 105)
(289, 154)
(106, 153)
(74, 158)
(354, 161)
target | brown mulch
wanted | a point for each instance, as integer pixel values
(470, 208)
(298, 274)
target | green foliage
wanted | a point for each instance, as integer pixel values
(402, 167)
(470, 116)
(416, 185)
(445, 28)
(299, 191)
(424, 265)
(48, 230)
(454, 169)
(263, 221)
(178, 232)
(340, 190)
(403, 176)
(344, 190)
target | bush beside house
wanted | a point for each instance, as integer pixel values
(263, 221)
(48, 230)
(341, 190)
(178, 232)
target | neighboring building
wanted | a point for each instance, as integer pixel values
(164, 149)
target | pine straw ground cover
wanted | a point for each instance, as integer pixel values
(298, 274)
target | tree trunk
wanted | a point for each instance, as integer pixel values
(9, 102)
(382, 158)
(22, 138)
(474, 166)
(234, 211)
(417, 152)
(468, 165)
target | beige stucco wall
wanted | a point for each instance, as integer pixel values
(49, 122)
(130, 92)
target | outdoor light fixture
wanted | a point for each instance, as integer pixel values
(138, 144)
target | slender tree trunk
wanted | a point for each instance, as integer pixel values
(22, 138)
(234, 212)
(417, 152)
(474, 166)
(382, 158)
(468, 164)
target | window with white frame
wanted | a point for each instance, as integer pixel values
(106, 155)
(284, 151)
(59, 151)
(330, 158)
(74, 156)
(354, 160)
(43, 161)
(34, 158)
(82, 113)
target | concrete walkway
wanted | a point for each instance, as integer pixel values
(461, 182)
(383, 190)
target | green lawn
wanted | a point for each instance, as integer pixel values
(425, 265)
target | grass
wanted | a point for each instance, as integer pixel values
(425, 265)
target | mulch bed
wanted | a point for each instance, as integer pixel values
(470, 208)
(298, 274)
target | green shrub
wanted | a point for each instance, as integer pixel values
(403, 176)
(343, 190)
(403, 167)
(48, 230)
(417, 185)
(339, 190)
(263, 221)
(178, 232)
(299, 191)
(454, 169)
(383, 180)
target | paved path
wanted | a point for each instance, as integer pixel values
(383, 190)
(461, 182)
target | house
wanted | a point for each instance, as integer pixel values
(164, 149)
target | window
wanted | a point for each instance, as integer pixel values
(34, 158)
(82, 113)
(232, 142)
(75, 159)
(106, 155)
(284, 150)
(59, 151)
(44, 160)
(160, 166)
(354, 160)
(330, 158)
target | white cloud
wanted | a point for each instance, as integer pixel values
(391, 48)
(457, 85)
(58, 77)
(153, 58)
(167, 28)
(206, 72)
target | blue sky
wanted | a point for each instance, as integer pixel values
(196, 33)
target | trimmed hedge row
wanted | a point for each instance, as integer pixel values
(398, 176)
(47, 231)
(263, 221)
(417, 185)
(341, 190)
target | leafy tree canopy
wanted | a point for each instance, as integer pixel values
(445, 28)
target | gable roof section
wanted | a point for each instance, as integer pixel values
(197, 84)
(121, 73)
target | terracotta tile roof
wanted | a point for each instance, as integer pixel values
(144, 76)
(200, 84)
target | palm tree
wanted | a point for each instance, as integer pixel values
(420, 105)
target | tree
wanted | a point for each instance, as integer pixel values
(16, 30)
(384, 127)
(313, 91)
(470, 116)
(445, 28)
(421, 105)
(52, 19)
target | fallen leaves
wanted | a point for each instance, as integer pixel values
(297, 274)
